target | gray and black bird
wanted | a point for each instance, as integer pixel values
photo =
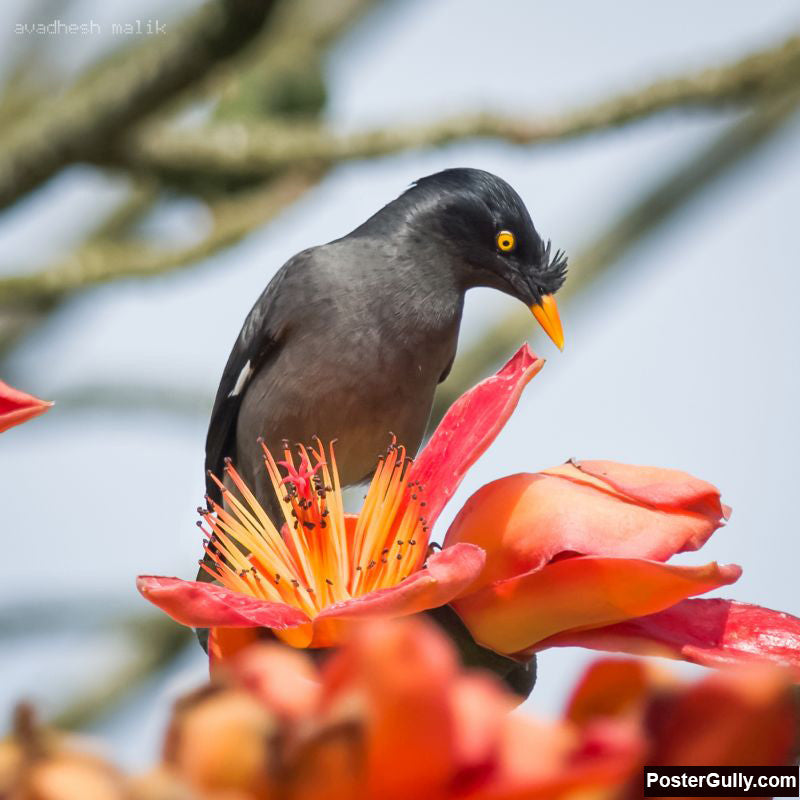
(350, 339)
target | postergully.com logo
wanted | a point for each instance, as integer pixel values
(721, 781)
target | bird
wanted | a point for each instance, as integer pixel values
(350, 339)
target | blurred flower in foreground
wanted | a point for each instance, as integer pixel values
(38, 763)
(391, 715)
(17, 407)
(571, 555)
(742, 716)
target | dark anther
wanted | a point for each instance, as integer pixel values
(371, 564)
(329, 581)
(309, 525)
(399, 557)
(412, 542)
(295, 583)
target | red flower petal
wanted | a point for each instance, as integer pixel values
(446, 575)
(712, 632)
(515, 615)
(468, 428)
(206, 605)
(17, 406)
(523, 521)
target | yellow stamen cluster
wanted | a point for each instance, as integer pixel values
(320, 556)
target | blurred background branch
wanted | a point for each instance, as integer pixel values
(269, 135)
(122, 91)
(245, 150)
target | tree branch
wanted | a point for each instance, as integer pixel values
(101, 260)
(104, 103)
(255, 149)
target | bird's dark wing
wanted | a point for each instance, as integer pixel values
(258, 342)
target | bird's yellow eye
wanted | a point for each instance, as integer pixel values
(505, 241)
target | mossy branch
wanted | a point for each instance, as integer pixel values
(102, 259)
(105, 102)
(249, 149)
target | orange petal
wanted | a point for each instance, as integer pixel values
(284, 680)
(611, 688)
(523, 521)
(446, 575)
(513, 616)
(407, 671)
(225, 643)
(666, 489)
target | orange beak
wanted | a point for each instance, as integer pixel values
(546, 314)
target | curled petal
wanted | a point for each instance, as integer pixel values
(469, 427)
(205, 605)
(523, 521)
(709, 631)
(446, 575)
(665, 489)
(17, 406)
(516, 615)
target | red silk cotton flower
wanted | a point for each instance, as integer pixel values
(17, 407)
(391, 715)
(573, 555)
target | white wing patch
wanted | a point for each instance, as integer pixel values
(241, 381)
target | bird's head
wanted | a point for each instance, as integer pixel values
(484, 226)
